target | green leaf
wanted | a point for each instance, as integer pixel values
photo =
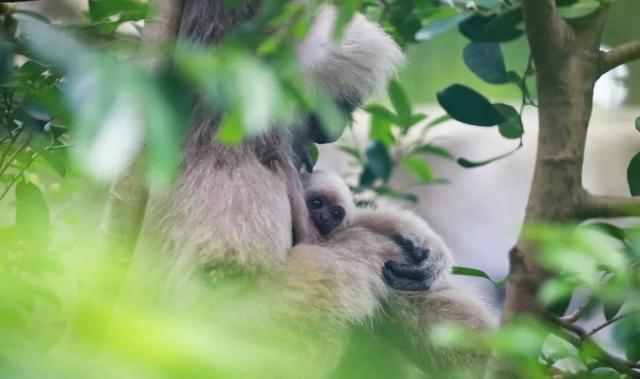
(611, 308)
(367, 177)
(632, 351)
(512, 127)
(347, 10)
(418, 168)
(313, 152)
(440, 26)
(350, 151)
(638, 124)
(633, 175)
(556, 295)
(378, 160)
(381, 131)
(39, 145)
(466, 105)
(434, 150)
(471, 164)
(485, 59)
(32, 211)
(488, 4)
(101, 10)
(497, 28)
(580, 9)
(444, 118)
(609, 229)
(400, 103)
(390, 192)
(468, 271)
(6, 60)
(231, 131)
(382, 113)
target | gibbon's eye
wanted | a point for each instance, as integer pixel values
(315, 203)
(337, 213)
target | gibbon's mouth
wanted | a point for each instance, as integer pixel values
(322, 227)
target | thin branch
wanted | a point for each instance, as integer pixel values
(593, 206)
(18, 176)
(581, 337)
(619, 55)
(575, 315)
(612, 321)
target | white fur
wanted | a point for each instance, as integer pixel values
(354, 68)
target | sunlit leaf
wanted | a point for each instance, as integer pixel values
(32, 211)
(485, 60)
(466, 105)
(101, 10)
(400, 103)
(231, 130)
(381, 131)
(418, 168)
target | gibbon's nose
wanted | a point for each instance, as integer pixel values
(323, 217)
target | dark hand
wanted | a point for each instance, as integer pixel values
(409, 276)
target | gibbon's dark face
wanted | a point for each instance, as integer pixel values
(324, 212)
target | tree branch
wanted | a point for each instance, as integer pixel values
(593, 206)
(619, 55)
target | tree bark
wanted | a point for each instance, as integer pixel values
(567, 62)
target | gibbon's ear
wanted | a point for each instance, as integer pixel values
(350, 70)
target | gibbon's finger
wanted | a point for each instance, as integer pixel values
(402, 284)
(407, 271)
(418, 254)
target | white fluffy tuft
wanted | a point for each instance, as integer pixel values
(356, 67)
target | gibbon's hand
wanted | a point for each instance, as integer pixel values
(413, 276)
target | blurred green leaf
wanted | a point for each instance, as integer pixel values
(638, 124)
(32, 211)
(434, 150)
(101, 10)
(512, 127)
(231, 131)
(633, 175)
(556, 295)
(381, 112)
(488, 4)
(437, 27)
(381, 131)
(418, 168)
(353, 152)
(367, 178)
(390, 192)
(6, 60)
(468, 106)
(579, 9)
(633, 350)
(401, 104)
(611, 308)
(486, 61)
(378, 160)
(346, 11)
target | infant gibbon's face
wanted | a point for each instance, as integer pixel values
(324, 211)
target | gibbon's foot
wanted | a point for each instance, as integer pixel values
(409, 276)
